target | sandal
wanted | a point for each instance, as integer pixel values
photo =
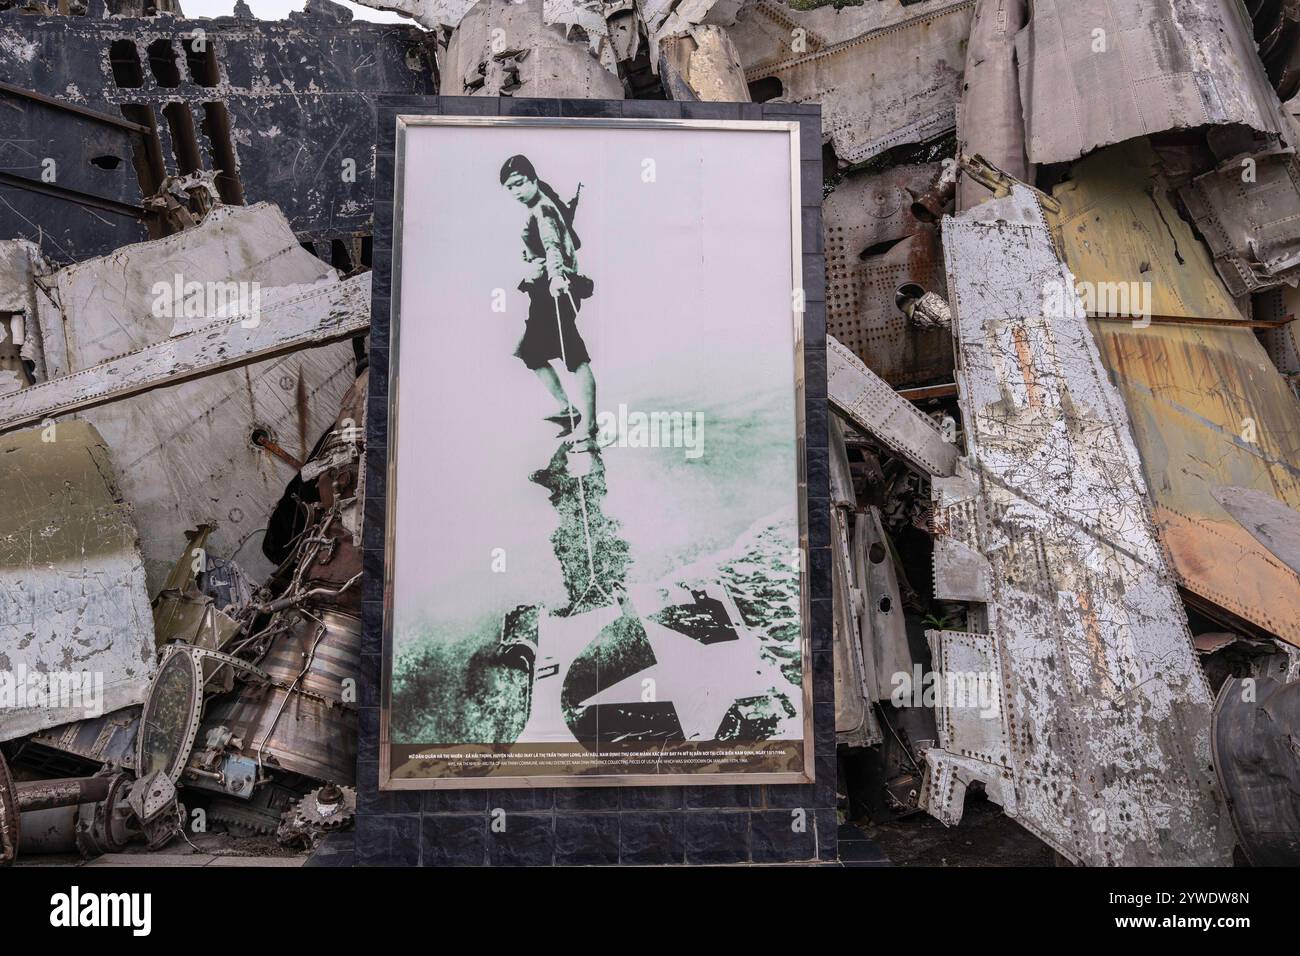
(567, 416)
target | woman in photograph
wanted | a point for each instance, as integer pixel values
(555, 291)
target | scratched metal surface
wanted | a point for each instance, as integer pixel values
(885, 75)
(1207, 407)
(1097, 72)
(72, 591)
(874, 245)
(867, 401)
(1101, 743)
(184, 452)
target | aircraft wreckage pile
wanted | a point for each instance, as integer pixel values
(1062, 249)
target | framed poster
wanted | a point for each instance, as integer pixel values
(596, 502)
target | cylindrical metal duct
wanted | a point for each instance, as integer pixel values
(313, 729)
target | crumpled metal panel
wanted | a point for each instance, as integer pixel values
(990, 123)
(72, 588)
(108, 740)
(1118, 222)
(872, 405)
(19, 329)
(1209, 412)
(1207, 409)
(874, 245)
(1249, 225)
(855, 719)
(1103, 708)
(702, 65)
(1097, 72)
(539, 57)
(186, 454)
(306, 316)
(1276, 526)
(884, 74)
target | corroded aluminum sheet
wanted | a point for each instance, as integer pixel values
(1212, 416)
(1249, 224)
(885, 74)
(185, 452)
(1207, 408)
(874, 245)
(313, 316)
(1099, 741)
(524, 48)
(872, 405)
(1097, 72)
(73, 606)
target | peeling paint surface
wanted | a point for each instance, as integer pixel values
(72, 588)
(882, 82)
(1094, 73)
(872, 405)
(873, 246)
(185, 452)
(1101, 744)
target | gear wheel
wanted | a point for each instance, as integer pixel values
(325, 809)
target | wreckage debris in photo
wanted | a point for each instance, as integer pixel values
(1050, 259)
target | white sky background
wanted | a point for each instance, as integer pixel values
(692, 311)
(280, 9)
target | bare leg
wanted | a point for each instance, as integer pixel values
(552, 382)
(587, 397)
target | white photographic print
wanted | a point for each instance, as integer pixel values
(594, 536)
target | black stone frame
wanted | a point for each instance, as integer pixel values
(599, 825)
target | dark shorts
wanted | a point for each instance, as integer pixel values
(542, 333)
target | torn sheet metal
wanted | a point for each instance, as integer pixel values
(1272, 523)
(1120, 230)
(316, 316)
(990, 122)
(1247, 209)
(665, 20)
(20, 260)
(872, 405)
(874, 244)
(702, 65)
(76, 635)
(1207, 409)
(1209, 412)
(186, 452)
(135, 296)
(1094, 73)
(885, 74)
(285, 109)
(509, 48)
(856, 724)
(1090, 723)
(107, 740)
